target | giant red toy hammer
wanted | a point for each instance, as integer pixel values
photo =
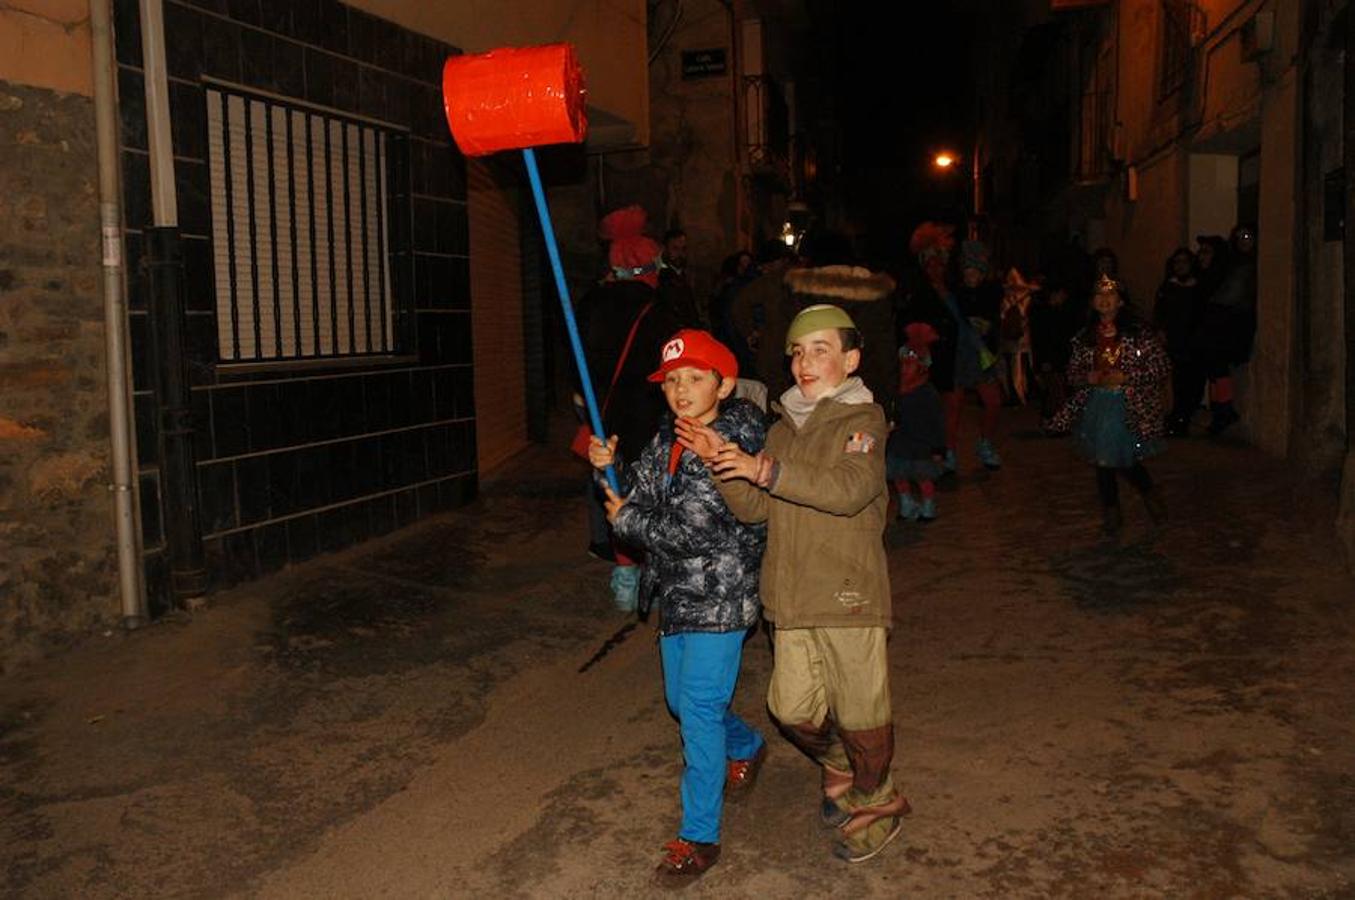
(520, 98)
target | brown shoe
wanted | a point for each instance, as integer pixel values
(862, 816)
(684, 861)
(740, 774)
(867, 844)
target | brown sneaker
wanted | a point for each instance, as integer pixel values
(869, 829)
(868, 842)
(684, 861)
(740, 774)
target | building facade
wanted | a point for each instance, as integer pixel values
(335, 274)
(1141, 125)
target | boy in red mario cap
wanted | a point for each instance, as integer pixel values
(702, 570)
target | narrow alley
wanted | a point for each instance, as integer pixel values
(456, 711)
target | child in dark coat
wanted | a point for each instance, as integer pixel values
(701, 571)
(919, 435)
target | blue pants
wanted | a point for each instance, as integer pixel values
(699, 674)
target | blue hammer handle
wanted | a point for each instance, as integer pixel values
(553, 251)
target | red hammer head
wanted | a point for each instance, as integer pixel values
(514, 98)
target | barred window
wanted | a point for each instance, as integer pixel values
(299, 231)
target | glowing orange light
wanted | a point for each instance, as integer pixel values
(944, 160)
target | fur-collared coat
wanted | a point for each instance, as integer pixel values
(1146, 367)
(702, 564)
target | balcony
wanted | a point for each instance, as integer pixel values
(766, 129)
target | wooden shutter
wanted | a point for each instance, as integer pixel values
(496, 315)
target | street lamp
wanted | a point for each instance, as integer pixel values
(944, 160)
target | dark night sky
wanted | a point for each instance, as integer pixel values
(901, 91)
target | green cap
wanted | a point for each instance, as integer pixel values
(816, 318)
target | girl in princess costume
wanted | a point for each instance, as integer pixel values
(1117, 371)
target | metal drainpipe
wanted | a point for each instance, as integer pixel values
(1348, 261)
(164, 255)
(131, 588)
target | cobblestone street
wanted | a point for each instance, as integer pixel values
(1169, 716)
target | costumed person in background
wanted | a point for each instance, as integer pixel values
(736, 272)
(1015, 342)
(1117, 369)
(918, 439)
(675, 281)
(923, 304)
(624, 325)
(1227, 327)
(974, 367)
(760, 313)
(1176, 314)
(701, 568)
(1054, 319)
(979, 295)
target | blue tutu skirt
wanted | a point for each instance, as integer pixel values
(1104, 436)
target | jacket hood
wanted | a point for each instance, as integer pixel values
(837, 284)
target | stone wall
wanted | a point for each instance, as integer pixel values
(57, 560)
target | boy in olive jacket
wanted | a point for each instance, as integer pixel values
(819, 484)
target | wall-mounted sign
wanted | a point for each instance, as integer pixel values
(703, 63)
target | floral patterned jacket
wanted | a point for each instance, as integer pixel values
(702, 564)
(1146, 368)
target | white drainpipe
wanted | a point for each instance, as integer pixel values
(164, 201)
(131, 587)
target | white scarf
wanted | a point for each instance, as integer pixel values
(799, 407)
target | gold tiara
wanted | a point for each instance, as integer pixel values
(1107, 285)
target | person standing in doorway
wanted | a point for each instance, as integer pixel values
(1228, 326)
(1176, 314)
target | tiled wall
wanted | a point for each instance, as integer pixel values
(295, 462)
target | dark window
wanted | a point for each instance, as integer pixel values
(1181, 24)
(301, 215)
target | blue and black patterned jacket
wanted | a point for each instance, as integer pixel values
(702, 564)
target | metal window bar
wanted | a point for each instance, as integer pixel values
(300, 231)
(383, 240)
